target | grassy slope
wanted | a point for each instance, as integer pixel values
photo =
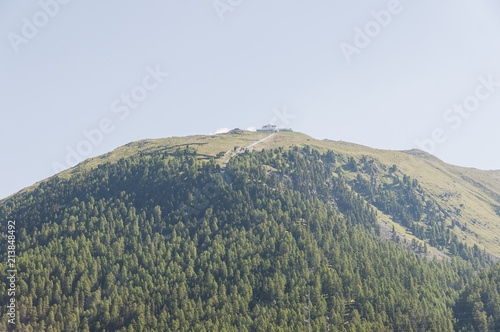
(470, 196)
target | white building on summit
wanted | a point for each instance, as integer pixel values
(272, 129)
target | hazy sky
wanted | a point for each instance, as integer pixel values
(80, 78)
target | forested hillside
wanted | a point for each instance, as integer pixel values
(163, 240)
(478, 308)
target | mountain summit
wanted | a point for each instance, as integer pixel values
(467, 199)
(243, 230)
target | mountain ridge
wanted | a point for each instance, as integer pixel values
(470, 197)
(216, 233)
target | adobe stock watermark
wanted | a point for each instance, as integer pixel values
(222, 7)
(459, 112)
(363, 37)
(281, 117)
(11, 271)
(202, 198)
(121, 108)
(201, 201)
(31, 26)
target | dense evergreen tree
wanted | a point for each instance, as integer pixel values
(160, 242)
(478, 307)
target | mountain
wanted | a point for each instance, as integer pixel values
(467, 198)
(201, 233)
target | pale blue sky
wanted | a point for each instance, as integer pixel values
(236, 71)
